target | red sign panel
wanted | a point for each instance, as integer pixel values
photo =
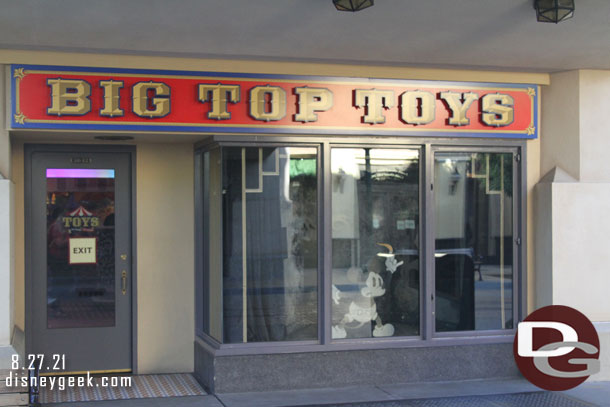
(178, 101)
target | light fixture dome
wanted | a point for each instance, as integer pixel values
(553, 11)
(352, 5)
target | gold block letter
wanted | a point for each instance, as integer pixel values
(258, 103)
(374, 101)
(312, 100)
(159, 104)
(459, 103)
(69, 97)
(417, 107)
(221, 96)
(111, 98)
(498, 109)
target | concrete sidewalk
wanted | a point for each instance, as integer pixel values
(476, 393)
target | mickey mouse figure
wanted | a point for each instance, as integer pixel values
(371, 304)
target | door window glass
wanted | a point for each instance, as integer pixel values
(80, 248)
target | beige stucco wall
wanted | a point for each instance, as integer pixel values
(165, 239)
(576, 133)
(560, 117)
(574, 206)
(19, 240)
(7, 256)
(8, 56)
(533, 176)
(6, 261)
(594, 104)
(580, 247)
(5, 142)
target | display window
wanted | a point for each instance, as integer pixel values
(375, 242)
(341, 244)
(473, 241)
(269, 244)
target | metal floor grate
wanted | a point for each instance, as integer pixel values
(142, 386)
(535, 399)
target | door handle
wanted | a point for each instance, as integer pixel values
(124, 282)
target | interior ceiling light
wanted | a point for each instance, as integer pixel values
(553, 11)
(352, 5)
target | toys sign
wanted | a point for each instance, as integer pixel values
(51, 97)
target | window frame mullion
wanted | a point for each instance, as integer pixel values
(325, 243)
(427, 258)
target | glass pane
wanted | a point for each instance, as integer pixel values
(473, 245)
(80, 248)
(270, 245)
(375, 233)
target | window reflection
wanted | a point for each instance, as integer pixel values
(270, 258)
(375, 251)
(473, 245)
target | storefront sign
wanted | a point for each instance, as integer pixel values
(50, 97)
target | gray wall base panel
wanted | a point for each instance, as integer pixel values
(204, 367)
(229, 374)
(18, 341)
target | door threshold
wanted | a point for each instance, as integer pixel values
(84, 372)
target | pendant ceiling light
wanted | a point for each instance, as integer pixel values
(352, 5)
(553, 11)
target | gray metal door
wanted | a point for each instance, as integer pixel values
(80, 260)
